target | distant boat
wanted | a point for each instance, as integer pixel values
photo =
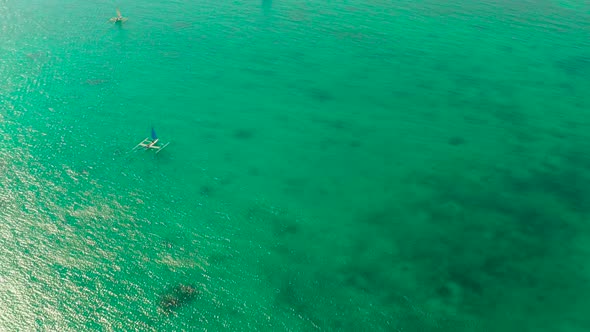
(118, 18)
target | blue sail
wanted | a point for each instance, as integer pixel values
(154, 136)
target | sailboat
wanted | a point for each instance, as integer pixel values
(151, 143)
(118, 18)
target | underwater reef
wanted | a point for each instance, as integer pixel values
(176, 297)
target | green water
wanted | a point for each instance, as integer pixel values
(335, 166)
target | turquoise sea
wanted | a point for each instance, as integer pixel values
(359, 165)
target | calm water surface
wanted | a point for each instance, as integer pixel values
(352, 166)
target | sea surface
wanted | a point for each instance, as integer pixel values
(359, 165)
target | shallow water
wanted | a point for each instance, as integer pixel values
(394, 166)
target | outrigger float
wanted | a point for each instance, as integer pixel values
(148, 143)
